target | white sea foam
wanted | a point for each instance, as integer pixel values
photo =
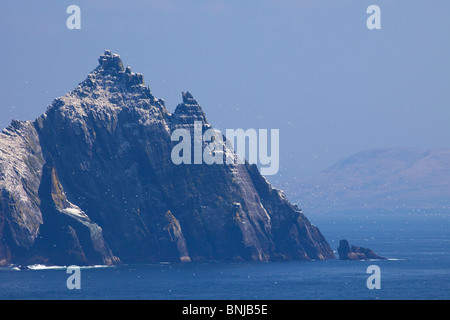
(97, 266)
(44, 267)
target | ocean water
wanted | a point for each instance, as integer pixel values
(418, 267)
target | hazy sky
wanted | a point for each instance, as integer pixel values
(310, 68)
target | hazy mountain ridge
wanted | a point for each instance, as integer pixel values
(389, 179)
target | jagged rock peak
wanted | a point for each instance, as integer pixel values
(189, 111)
(110, 65)
(114, 85)
(111, 62)
(188, 98)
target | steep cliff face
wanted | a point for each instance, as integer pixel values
(92, 181)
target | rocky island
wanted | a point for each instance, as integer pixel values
(91, 181)
(355, 253)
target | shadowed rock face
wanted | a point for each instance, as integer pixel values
(91, 181)
(355, 253)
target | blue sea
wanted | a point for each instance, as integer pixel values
(418, 267)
